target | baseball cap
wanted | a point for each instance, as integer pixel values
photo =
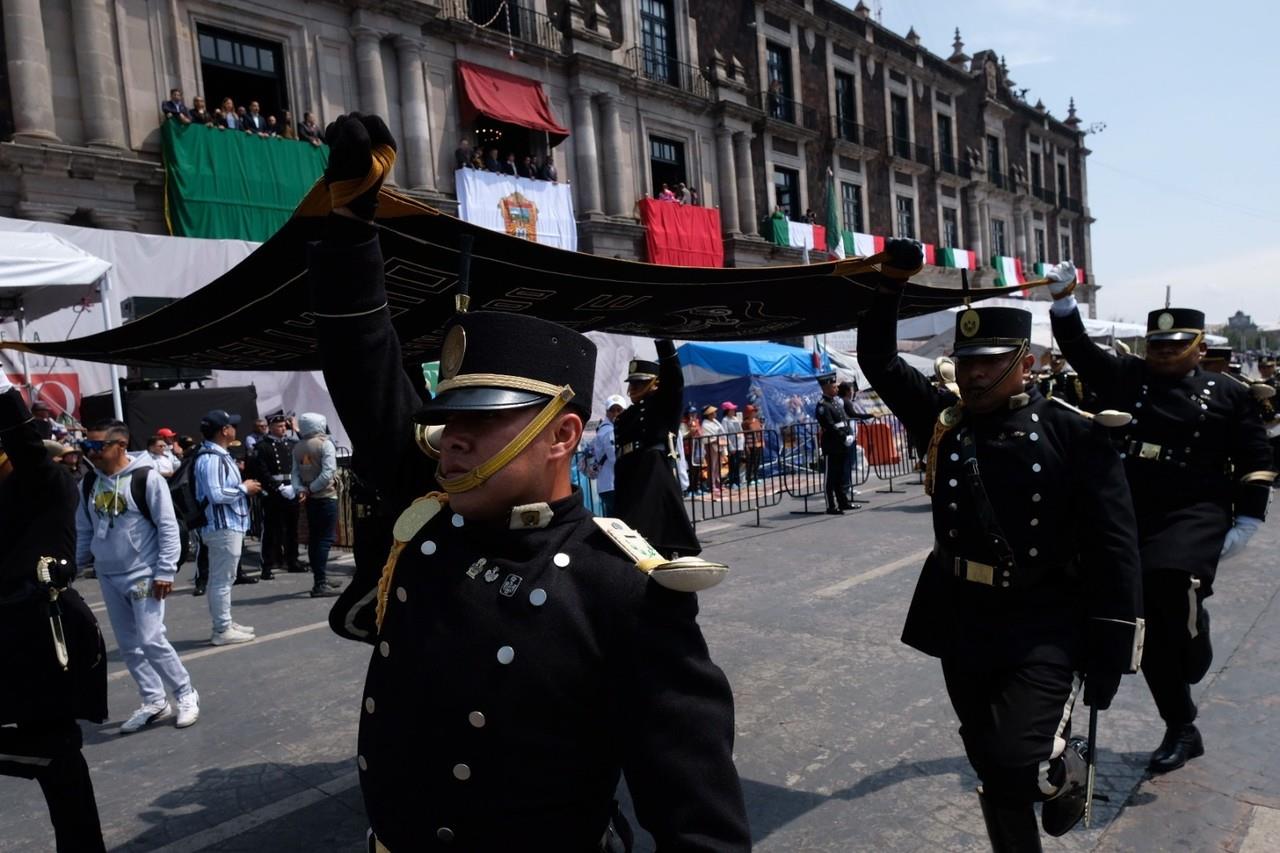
(165, 432)
(220, 418)
(616, 400)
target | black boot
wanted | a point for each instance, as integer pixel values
(831, 510)
(1012, 829)
(242, 578)
(1180, 745)
(267, 574)
(1066, 807)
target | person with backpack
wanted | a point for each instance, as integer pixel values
(224, 520)
(126, 522)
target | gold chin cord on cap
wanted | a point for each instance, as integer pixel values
(638, 393)
(1023, 348)
(476, 476)
(1192, 344)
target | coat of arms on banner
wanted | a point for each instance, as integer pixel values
(520, 216)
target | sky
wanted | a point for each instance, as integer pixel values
(1184, 181)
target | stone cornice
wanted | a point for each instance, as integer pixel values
(81, 162)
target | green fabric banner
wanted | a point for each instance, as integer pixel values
(779, 233)
(227, 184)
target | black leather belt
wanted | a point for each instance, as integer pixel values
(632, 446)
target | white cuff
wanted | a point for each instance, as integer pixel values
(1064, 306)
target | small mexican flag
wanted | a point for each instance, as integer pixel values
(959, 259)
(866, 245)
(930, 256)
(1008, 271)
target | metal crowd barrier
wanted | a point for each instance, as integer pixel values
(888, 449)
(729, 474)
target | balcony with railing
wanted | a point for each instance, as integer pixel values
(502, 18)
(952, 165)
(786, 110)
(905, 149)
(662, 68)
(1066, 202)
(847, 130)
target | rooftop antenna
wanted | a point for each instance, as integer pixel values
(879, 13)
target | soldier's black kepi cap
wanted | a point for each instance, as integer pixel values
(991, 331)
(826, 378)
(277, 417)
(1175, 324)
(640, 370)
(1222, 354)
(1267, 361)
(495, 360)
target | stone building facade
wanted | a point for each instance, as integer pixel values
(750, 102)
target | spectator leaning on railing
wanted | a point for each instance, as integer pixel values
(309, 131)
(175, 109)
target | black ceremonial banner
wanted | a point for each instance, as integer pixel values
(255, 316)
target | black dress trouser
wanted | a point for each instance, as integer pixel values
(837, 490)
(49, 752)
(279, 533)
(1177, 652)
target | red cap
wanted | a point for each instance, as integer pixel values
(166, 432)
(728, 406)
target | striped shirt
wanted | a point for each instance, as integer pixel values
(218, 482)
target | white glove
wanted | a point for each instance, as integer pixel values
(287, 492)
(5, 384)
(1061, 277)
(848, 441)
(1239, 536)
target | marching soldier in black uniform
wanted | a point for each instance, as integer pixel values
(273, 456)
(1062, 384)
(646, 488)
(1271, 406)
(523, 657)
(836, 443)
(1033, 581)
(1199, 469)
(52, 658)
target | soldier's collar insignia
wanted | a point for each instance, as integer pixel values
(530, 516)
(1017, 401)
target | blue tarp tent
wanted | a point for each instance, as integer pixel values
(775, 377)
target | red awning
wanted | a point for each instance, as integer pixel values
(506, 97)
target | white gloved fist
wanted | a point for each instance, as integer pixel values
(1239, 536)
(287, 492)
(848, 441)
(1061, 278)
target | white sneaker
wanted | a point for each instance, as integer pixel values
(247, 629)
(149, 713)
(230, 636)
(188, 709)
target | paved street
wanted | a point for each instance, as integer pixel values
(846, 740)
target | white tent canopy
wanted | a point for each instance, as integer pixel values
(46, 273)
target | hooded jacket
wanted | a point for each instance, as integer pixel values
(315, 460)
(132, 546)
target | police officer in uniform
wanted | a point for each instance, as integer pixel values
(273, 457)
(1200, 471)
(836, 442)
(646, 488)
(1033, 581)
(52, 658)
(524, 652)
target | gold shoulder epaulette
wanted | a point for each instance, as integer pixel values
(413, 519)
(684, 574)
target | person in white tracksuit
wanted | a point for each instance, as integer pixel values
(132, 534)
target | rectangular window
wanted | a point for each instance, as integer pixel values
(945, 146)
(1037, 174)
(1040, 256)
(657, 40)
(995, 174)
(906, 218)
(950, 228)
(778, 59)
(851, 201)
(1066, 247)
(846, 108)
(898, 113)
(786, 191)
(997, 237)
(666, 163)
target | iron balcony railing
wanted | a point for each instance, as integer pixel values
(848, 130)
(950, 164)
(505, 16)
(659, 67)
(905, 149)
(781, 108)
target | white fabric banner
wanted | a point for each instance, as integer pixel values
(541, 211)
(801, 236)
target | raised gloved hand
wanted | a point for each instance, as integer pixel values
(361, 154)
(1062, 279)
(5, 384)
(1100, 688)
(904, 255)
(1239, 535)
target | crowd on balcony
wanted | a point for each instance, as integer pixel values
(681, 193)
(245, 120)
(532, 166)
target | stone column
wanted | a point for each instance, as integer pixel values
(371, 84)
(585, 150)
(1020, 236)
(99, 75)
(729, 211)
(747, 215)
(28, 62)
(615, 189)
(415, 145)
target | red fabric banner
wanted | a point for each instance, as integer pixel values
(506, 97)
(682, 235)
